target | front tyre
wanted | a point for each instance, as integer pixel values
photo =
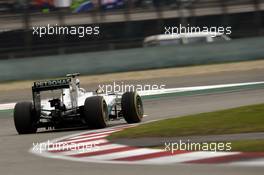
(24, 118)
(132, 107)
(96, 112)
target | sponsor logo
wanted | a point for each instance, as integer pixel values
(50, 83)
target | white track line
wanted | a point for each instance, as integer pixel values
(195, 88)
(7, 106)
(168, 91)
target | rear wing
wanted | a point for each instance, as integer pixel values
(51, 85)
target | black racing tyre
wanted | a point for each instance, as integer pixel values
(24, 118)
(96, 112)
(132, 107)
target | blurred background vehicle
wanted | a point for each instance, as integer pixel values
(184, 38)
(123, 24)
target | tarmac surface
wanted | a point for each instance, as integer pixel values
(15, 158)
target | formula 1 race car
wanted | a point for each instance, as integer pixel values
(74, 107)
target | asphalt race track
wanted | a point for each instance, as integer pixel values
(15, 158)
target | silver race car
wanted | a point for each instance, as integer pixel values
(74, 107)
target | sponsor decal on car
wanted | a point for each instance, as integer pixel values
(49, 83)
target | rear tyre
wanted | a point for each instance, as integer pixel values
(24, 118)
(96, 112)
(132, 107)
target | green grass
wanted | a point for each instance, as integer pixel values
(238, 120)
(248, 145)
(6, 113)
